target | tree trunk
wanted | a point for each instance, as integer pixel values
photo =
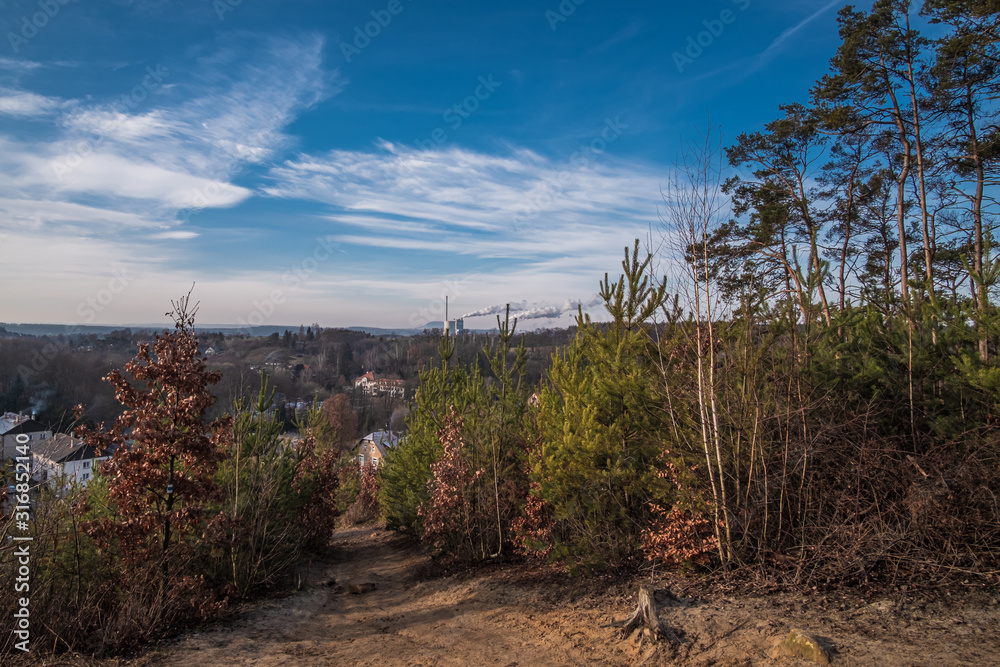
(645, 617)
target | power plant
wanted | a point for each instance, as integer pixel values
(452, 327)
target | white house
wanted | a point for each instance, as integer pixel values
(13, 425)
(373, 385)
(64, 460)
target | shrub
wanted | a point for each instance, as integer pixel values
(447, 514)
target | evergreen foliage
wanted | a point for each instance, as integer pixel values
(600, 436)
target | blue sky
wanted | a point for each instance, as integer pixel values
(351, 163)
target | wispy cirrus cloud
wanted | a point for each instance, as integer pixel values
(460, 199)
(144, 164)
(460, 210)
(118, 126)
(183, 141)
(230, 116)
(780, 40)
(105, 177)
(743, 68)
(18, 65)
(42, 215)
(23, 104)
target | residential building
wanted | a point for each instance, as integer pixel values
(62, 461)
(365, 381)
(13, 425)
(372, 448)
(373, 385)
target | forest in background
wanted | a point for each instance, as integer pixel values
(49, 375)
(797, 382)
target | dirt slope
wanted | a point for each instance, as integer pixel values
(499, 618)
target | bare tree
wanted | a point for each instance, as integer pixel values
(693, 213)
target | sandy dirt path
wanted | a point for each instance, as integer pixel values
(438, 621)
(499, 617)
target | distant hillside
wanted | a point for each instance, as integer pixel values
(75, 330)
(227, 329)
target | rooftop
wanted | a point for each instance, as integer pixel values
(12, 424)
(382, 439)
(62, 448)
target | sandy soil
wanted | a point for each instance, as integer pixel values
(419, 615)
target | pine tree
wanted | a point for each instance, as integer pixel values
(505, 426)
(601, 440)
(407, 468)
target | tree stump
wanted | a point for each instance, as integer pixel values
(646, 617)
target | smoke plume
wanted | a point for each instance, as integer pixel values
(522, 312)
(496, 310)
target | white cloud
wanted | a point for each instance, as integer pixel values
(461, 211)
(18, 65)
(101, 188)
(177, 145)
(130, 169)
(59, 215)
(27, 105)
(117, 125)
(457, 200)
(233, 116)
(132, 178)
(176, 235)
